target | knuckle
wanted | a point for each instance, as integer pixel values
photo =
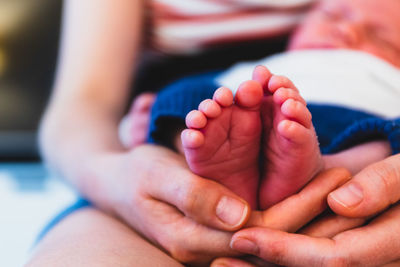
(180, 251)
(341, 255)
(185, 250)
(335, 259)
(278, 252)
(190, 197)
(189, 203)
(184, 255)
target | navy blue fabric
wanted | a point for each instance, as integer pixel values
(178, 99)
(339, 128)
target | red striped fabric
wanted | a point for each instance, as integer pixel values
(190, 26)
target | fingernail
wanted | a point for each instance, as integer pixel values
(231, 211)
(349, 195)
(245, 246)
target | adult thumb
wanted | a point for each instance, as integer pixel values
(370, 191)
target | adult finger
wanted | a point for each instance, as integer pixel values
(184, 239)
(331, 225)
(203, 200)
(243, 261)
(392, 264)
(376, 244)
(281, 247)
(232, 262)
(297, 210)
(370, 191)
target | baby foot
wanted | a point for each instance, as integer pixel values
(134, 127)
(223, 139)
(290, 145)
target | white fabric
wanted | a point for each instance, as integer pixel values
(192, 36)
(196, 7)
(274, 3)
(191, 26)
(340, 77)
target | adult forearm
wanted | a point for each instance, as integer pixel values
(97, 58)
(73, 134)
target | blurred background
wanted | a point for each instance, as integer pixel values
(29, 196)
(29, 33)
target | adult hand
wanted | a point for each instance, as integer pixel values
(296, 211)
(184, 214)
(372, 190)
(153, 190)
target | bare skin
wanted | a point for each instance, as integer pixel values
(134, 127)
(364, 25)
(290, 149)
(223, 139)
(374, 244)
(90, 237)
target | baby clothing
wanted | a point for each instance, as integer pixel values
(353, 96)
(192, 26)
(346, 78)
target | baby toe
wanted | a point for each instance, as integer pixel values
(223, 96)
(192, 138)
(278, 81)
(210, 108)
(249, 94)
(196, 119)
(283, 94)
(295, 110)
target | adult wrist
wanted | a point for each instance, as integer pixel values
(98, 179)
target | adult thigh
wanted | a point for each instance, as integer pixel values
(89, 237)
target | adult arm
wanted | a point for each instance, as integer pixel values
(99, 47)
(149, 187)
(374, 189)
